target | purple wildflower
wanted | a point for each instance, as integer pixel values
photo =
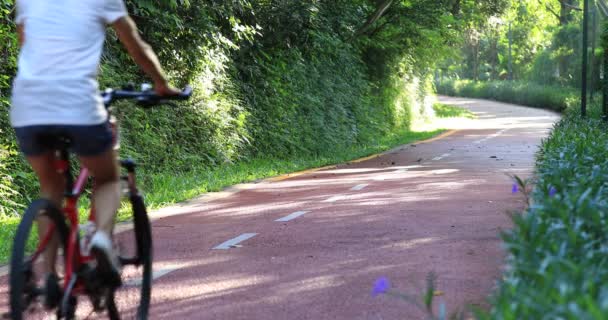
(552, 192)
(381, 286)
(515, 189)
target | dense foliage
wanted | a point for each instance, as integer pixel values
(518, 92)
(11, 167)
(535, 41)
(274, 78)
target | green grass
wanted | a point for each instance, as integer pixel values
(7, 233)
(445, 111)
(168, 188)
(163, 189)
(517, 92)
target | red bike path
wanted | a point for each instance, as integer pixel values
(429, 207)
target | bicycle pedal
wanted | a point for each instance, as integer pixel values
(111, 281)
(105, 271)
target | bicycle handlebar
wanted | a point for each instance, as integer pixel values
(146, 98)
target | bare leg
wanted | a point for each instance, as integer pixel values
(106, 198)
(52, 185)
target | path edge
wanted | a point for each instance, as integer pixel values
(181, 208)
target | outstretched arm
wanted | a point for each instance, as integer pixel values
(143, 54)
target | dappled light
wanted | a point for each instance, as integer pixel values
(391, 215)
(408, 244)
(401, 198)
(323, 166)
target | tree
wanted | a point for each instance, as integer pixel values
(565, 14)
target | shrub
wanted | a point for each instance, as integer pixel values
(273, 80)
(556, 266)
(557, 250)
(523, 93)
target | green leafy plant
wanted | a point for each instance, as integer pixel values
(519, 92)
(556, 250)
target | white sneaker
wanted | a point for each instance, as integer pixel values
(108, 265)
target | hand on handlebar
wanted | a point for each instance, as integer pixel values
(162, 94)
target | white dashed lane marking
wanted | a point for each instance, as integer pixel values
(359, 187)
(155, 275)
(497, 134)
(335, 198)
(445, 155)
(292, 216)
(234, 243)
(383, 177)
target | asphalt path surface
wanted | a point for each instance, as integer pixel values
(311, 246)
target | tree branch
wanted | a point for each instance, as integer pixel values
(380, 11)
(567, 5)
(557, 15)
(388, 20)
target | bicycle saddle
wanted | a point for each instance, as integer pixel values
(55, 140)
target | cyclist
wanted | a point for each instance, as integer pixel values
(55, 92)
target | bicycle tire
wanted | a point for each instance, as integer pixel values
(112, 309)
(141, 238)
(17, 276)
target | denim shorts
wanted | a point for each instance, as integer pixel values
(85, 140)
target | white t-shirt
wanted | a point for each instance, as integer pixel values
(59, 61)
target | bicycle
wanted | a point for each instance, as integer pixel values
(79, 278)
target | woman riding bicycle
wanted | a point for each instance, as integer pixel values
(56, 93)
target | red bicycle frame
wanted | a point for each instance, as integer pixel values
(74, 258)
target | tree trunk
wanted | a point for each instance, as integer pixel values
(494, 59)
(476, 62)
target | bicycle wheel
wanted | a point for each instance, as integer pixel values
(135, 247)
(26, 285)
